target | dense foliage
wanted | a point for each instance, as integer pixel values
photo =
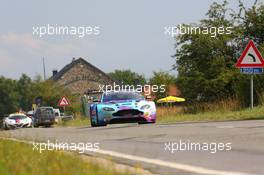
(21, 94)
(127, 77)
(205, 64)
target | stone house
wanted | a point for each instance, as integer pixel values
(81, 77)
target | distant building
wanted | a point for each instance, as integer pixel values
(80, 77)
(171, 90)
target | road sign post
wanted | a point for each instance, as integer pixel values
(251, 62)
(251, 91)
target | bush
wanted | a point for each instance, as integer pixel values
(229, 104)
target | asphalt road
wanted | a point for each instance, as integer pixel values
(148, 145)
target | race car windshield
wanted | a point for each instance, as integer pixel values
(15, 117)
(116, 96)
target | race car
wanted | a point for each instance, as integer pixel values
(122, 107)
(17, 120)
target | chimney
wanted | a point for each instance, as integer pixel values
(54, 72)
(73, 59)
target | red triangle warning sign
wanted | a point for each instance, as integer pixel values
(250, 57)
(63, 102)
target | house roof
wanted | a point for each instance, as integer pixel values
(58, 75)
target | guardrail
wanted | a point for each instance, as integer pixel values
(67, 117)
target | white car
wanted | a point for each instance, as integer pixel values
(17, 120)
(58, 116)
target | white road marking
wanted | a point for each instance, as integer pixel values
(179, 166)
(225, 127)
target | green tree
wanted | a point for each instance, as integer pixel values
(9, 101)
(20, 94)
(127, 77)
(51, 93)
(25, 92)
(205, 64)
(162, 78)
(251, 24)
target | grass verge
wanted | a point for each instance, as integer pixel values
(20, 159)
(78, 121)
(245, 114)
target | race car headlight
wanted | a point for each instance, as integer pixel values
(108, 109)
(145, 107)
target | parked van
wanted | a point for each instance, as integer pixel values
(44, 116)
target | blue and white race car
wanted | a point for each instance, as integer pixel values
(122, 107)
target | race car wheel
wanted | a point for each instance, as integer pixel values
(92, 123)
(97, 121)
(102, 124)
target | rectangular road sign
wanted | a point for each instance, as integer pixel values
(251, 70)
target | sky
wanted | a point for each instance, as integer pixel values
(131, 34)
